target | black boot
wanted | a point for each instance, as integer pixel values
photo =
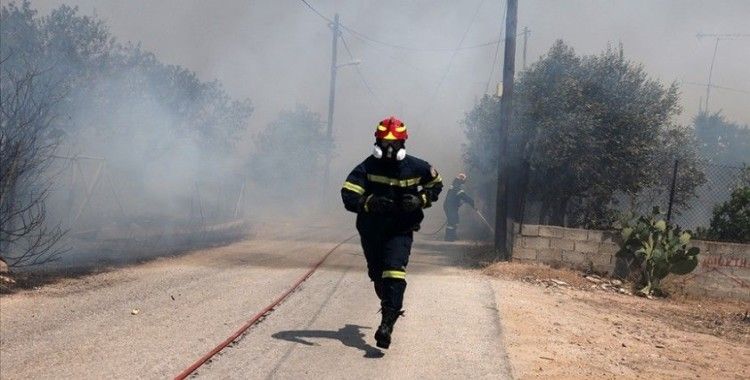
(450, 233)
(383, 335)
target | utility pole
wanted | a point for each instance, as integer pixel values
(525, 42)
(719, 37)
(710, 73)
(502, 201)
(331, 97)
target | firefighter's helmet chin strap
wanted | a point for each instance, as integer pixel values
(377, 152)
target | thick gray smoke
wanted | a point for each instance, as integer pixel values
(277, 54)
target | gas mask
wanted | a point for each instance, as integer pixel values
(389, 150)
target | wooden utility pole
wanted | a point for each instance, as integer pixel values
(502, 200)
(331, 98)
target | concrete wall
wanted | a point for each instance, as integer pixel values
(570, 247)
(724, 268)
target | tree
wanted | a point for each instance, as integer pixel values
(731, 219)
(109, 84)
(289, 155)
(722, 142)
(66, 80)
(590, 128)
(27, 143)
(480, 150)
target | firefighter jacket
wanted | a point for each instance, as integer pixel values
(455, 197)
(392, 179)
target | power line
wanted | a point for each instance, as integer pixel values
(715, 86)
(348, 51)
(492, 68)
(366, 38)
(359, 72)
(723, 35)
(316, 11)
(460, 43)
(719, 37)
(497, 49)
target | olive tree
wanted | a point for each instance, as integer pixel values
(594, 131)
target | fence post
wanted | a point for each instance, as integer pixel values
(671, 190)
(521, 212)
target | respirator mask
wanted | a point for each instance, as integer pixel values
(389, 150)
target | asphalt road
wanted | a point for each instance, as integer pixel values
(84, 328)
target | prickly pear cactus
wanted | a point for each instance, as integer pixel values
(658, 247)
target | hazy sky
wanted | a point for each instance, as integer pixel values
(278, 53)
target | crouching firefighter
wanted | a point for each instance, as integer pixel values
(388, 191)
(455, 197)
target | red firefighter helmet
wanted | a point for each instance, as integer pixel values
(459, 180)
(391, 129)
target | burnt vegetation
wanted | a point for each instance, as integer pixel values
(69, 90)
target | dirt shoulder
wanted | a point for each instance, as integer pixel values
(572, 328)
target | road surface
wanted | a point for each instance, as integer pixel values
(85, 328)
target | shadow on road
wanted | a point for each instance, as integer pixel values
(349, 335)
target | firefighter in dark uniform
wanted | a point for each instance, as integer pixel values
(454, 198)
(388, 191)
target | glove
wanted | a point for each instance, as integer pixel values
(380, 205)
(410, 202)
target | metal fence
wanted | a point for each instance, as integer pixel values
(89, 196)
(686, 197)
(720, 182)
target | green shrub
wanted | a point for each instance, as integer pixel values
(731, 219)
(658, 249)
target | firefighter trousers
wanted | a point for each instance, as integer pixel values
(451, 224)
(387, 256)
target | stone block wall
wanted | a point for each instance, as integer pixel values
(724, 268)
(560, 246)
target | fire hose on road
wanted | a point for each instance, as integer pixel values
(479, 213)
(486, 223)
(268, 309)
(257, 317)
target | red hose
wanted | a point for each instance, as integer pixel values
(184, 374)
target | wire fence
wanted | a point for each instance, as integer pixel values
(697, 212)
(687, 196)
(90, 196)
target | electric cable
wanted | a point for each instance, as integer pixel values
(359, 72)
(366, 38)
(316, 11)
(460, 43)
(497, 49)
(715, 86)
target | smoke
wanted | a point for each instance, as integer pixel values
(278, 54)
